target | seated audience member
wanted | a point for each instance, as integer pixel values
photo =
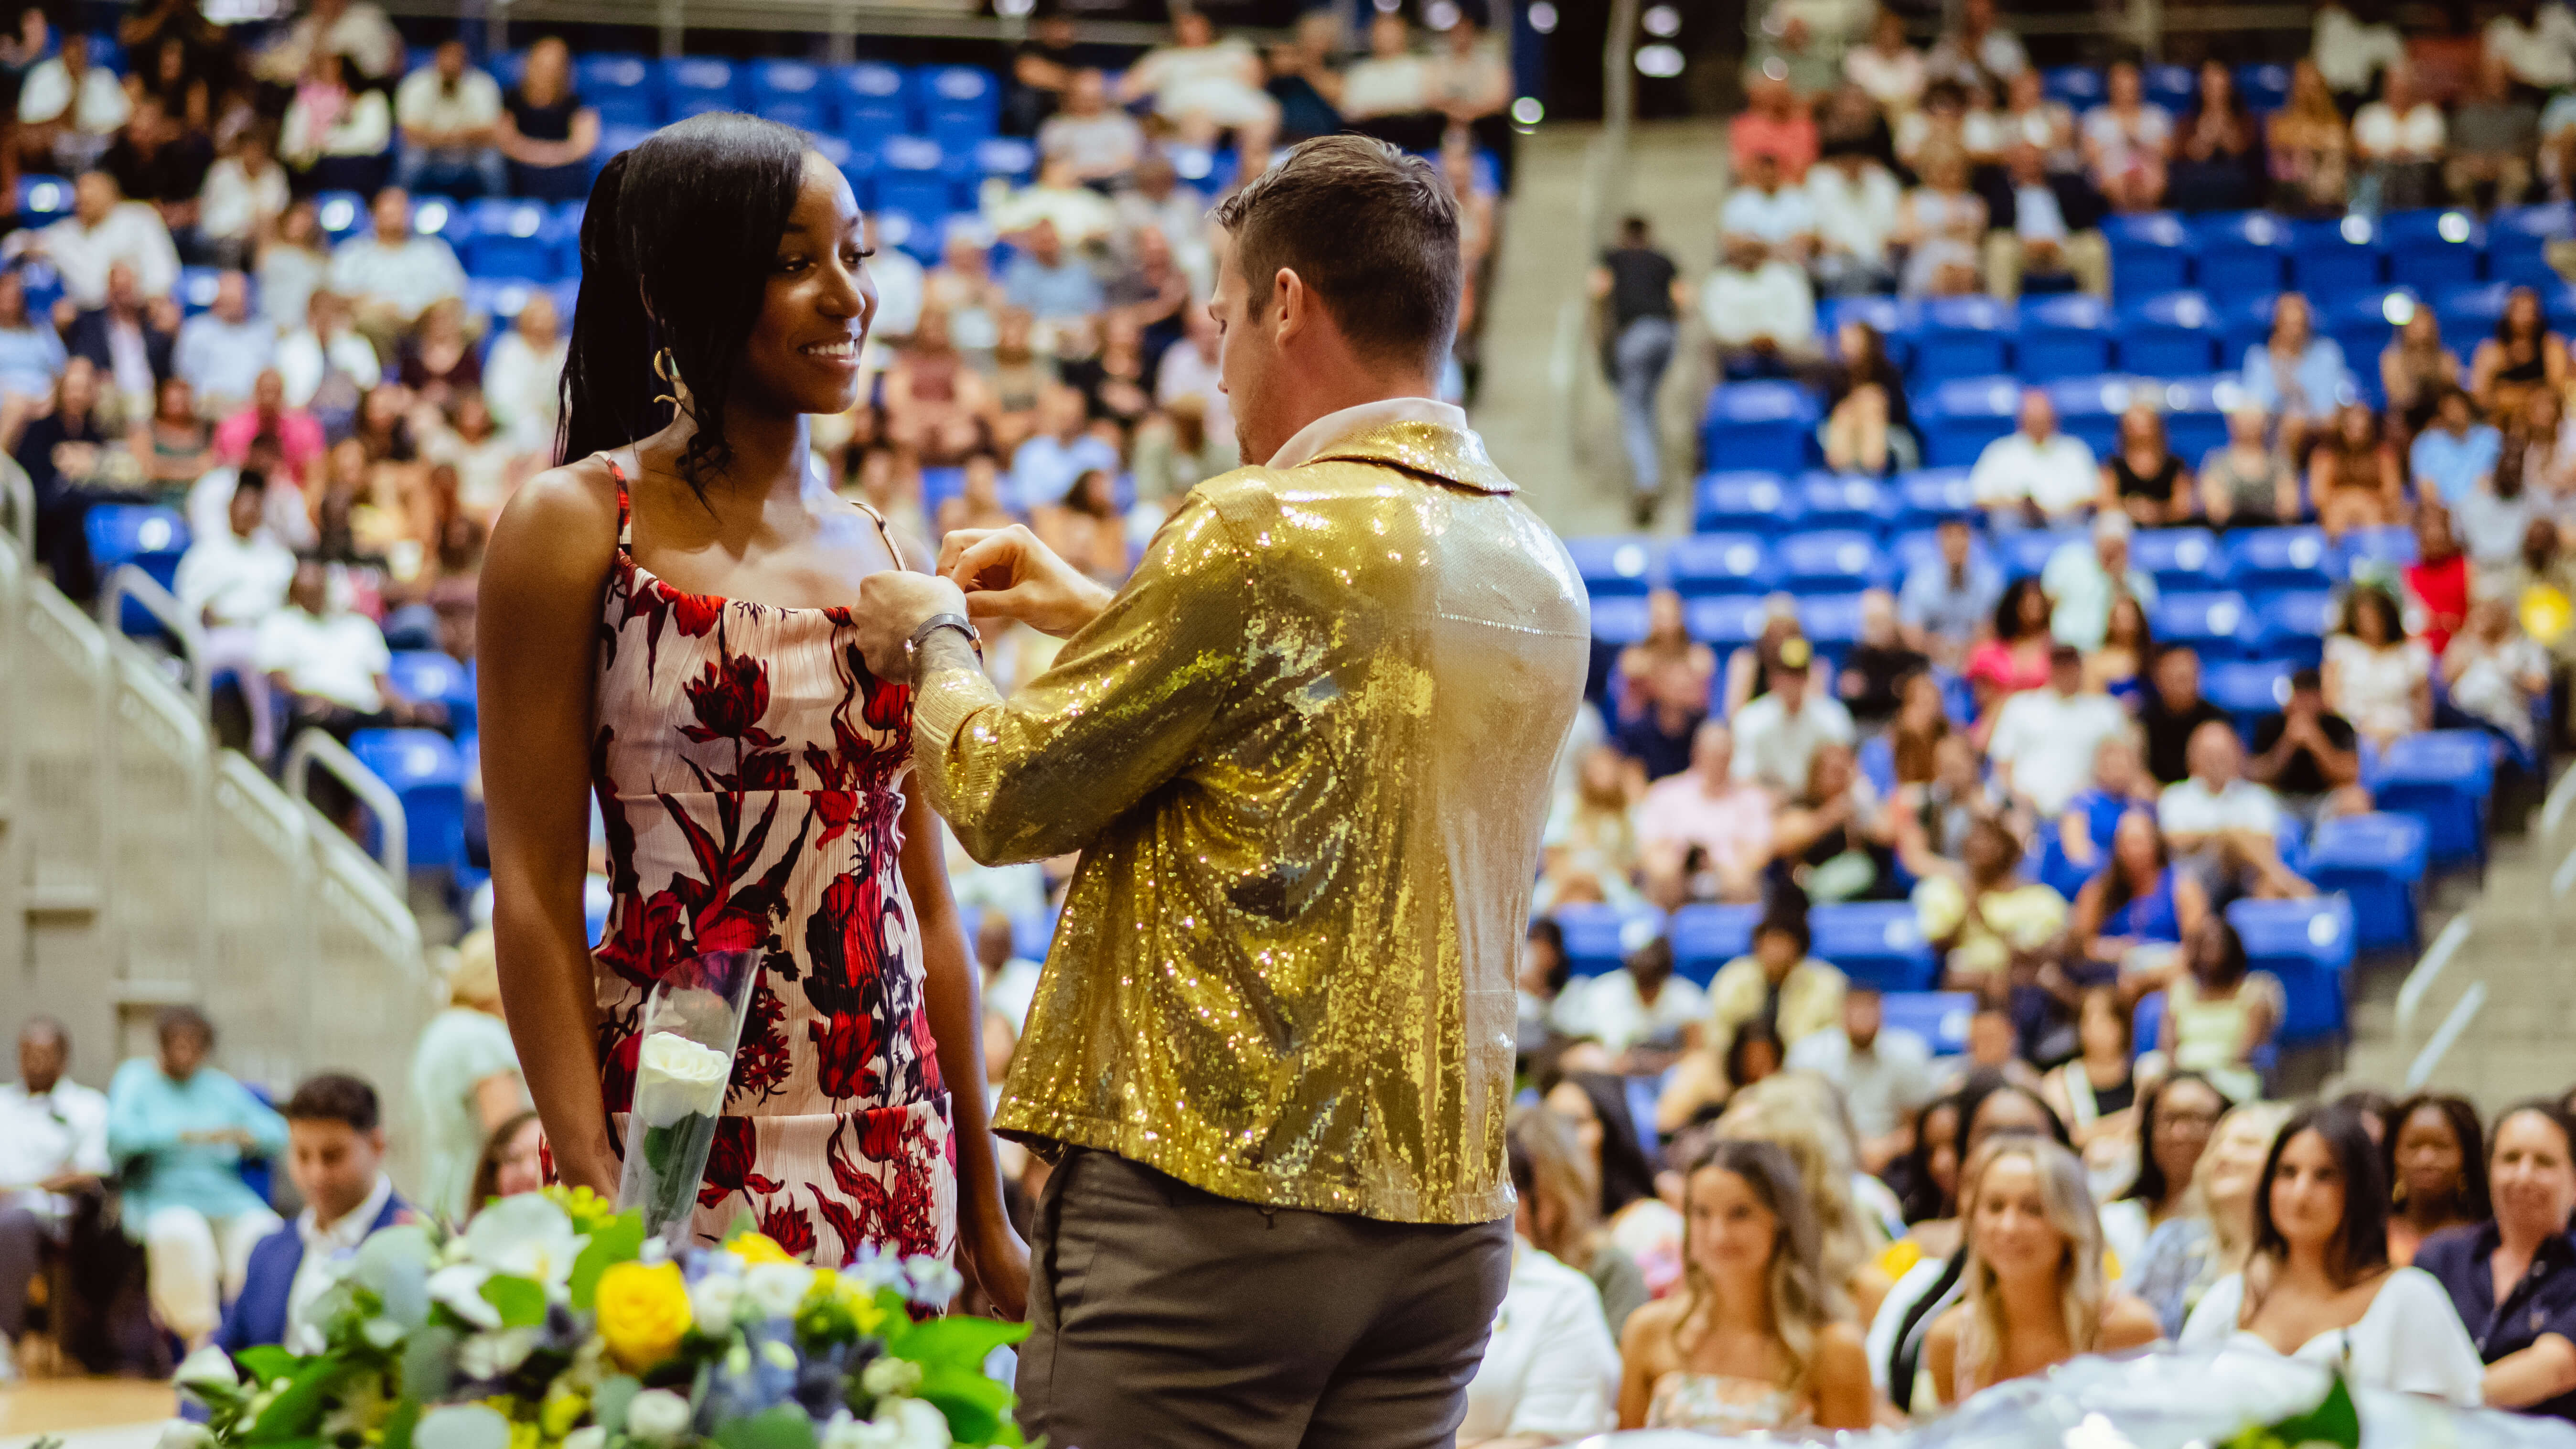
(1550, 1368)
(329, 662)
(2450, 456)
(545, 131)
(245, 196)
(2437, 582)
(297, 433)
(2085, 579)
(1868, 426)
(2140, 898)
(2437, 1171)
(2142, 478)
(2348, 54)
(53, 1150)
(1659, 735)
(355, 29)
(157, 160)
(2033, 236)
(1777, 735)
(1063, 449)
(2526, 1333)
(1856, 203)
(2018, 654)
(2398, 141)
(2320, 1269)
(2214, 1234)
(1083, 218)
(2249, 484)
(1977, 48)
(2119, 667)
(1883, 1072)
(1992, 932)
(2096, 1093)
(222, 351)
(2171, 713)
(1205, 87)
(1386, 93)
(2219, 1014)
(2415, 368)
(520, 373)
(450, 115)
(393, 275)
(1048, 282)
(129, 341)
(2126, 140)
(1775, 124)
(465, 1080)
(73, 461)
(1667, 648)
(1779, 983)
(2036, 476)
(68, 109)
(1748, 1344)
(2354, 478)
(2296, 374)
(1085, 528)
(513, 1162)
(1595, 1107)
(178, 1130)
(1942, 227)
(291, 266)
(1704, 833)
(2523, 357)
(2044, 739)
(1760, 312)
(1835, 838)
(1100, 142)
(1590, 849)
(1922, 723)
(2308, 148)
(2306, 755)
(336, 1156)
(103, 229)
(2217, 149)
(230, 582)
(1642, 1007)
(2119, 784)
(2225, 827)
(934, 402)
(336, 136)
(1768, 211)
(1948, 602)
(2035, 1290)
(1872, 679)
(31, 352)
(1888, 69)
(2497, 678)
(2494, 135)
(2495, 514)
(2374, 675)
(1560, 1212)
(979, 501)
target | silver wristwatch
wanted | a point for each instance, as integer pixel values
(933, 624)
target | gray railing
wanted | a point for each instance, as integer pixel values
(129, 582)
(393, 828)
(21, 496)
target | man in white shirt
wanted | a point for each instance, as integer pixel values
(392, 275)
(2044, 739)
(1779, 217)
(1777, 736)
(331, 661)
(1979, 52)
(282, 512)
(2399, 140)
(450, 116)
(1098, 140)
(2036, 476)
(223, 350)
(336, 1155)
(2536, 43)
(70, 107)
(325, 344)
(230, 583)
(1885, 1074)
(1760, 312)
(53, 1146)
(1045, 467)
(1856, 202)
(2087, 578)
(2223, 827)
(1641, 1004)
(103, 229)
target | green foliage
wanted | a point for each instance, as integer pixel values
(521, 1301)
(783, 1427)
(614, 1241)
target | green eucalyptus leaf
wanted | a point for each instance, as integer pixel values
(783, 1427)
(521, 1301)
(618, 1241)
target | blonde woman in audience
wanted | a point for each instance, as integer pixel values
(1783, 1112)
(2248, 483)
(1550, 1370)
(2034, 1292)
(1943, 227)
(1590, 849)
(2309, 148)
(1757, 1339)
(1561, 1213)
(2214, 1233)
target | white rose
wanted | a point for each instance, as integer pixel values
(848, 1431)
(775, 1289)
(588, 1436)
(523, 1237)
(208, 1367)
(917, 1425)
(888, 1376)
(490, 1355)
(181, 1434)
(712, 1301)
(657, 1416)
(675, 1076)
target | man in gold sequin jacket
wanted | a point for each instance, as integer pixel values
(1305, 756)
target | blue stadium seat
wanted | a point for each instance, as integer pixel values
(342, 214)
(2377, 862)
(510, 239)
(2442, 778)
(2180, 558)
(960, 104)
(2150, 252)
(1931, 495)
(2363, 322)
(2174, 87)
(2468, 314)
(425, 770)
(619, 136)
(2027, 552)
(1725, 620)
(2241, 252)
(2332, 257)
(1844, 500)
(1961, 416)
(426, 676)
(695, 84)
(1829, 561)
(2308, 945)
(2175, 333)
(2079, 86)
(2247, 689)
(1706, 937)
(1743, 500)
(625, 89)
(150, 538)
(2195, 412)
(2517, 237)
(1760, 425)
(2292, 625)
(1876, 758)
(1874, 941)
(447, 220)
(2244, 323)
(1599, 937)
(1619, 619)
(790, 92)
(43, 199)
(2558, 301)
(1005, 156)
(2388, 548)
(1611, 566)
(1939, 1017)
(196, 289)
(912, 177)
(2267, 560)
(2265, 86)
(1963, 337)
(1831, 622)
(1717, 563)
(2432, 249)
(2065, 334)
(2211, 622)
(500, 298)
(872, 100)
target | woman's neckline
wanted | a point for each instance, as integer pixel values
(2378, 1290)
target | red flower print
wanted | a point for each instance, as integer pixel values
(644, 938)
(729, 700)
(845, 1226)
(729, 1163)
(846, 1048)
(769, 770)
(881, 1136)
(695, 614)
(835, 807)
(732, 929)
(789, 1228)
(762, 1062)
(617, 1067)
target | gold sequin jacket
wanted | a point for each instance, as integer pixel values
(1305, 755)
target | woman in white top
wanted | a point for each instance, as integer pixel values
(1889, 70)
(2374, 675)
(244, 192)
(2318, 1286)
(1391, 80)
(1550, 1369)
(1941, 227)
(2125, 141)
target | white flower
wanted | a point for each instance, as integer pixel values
(712, 1301)
(933, 1282)
(490, 1355)
(209, 1367)
(917, 1425)
(180, 1434)
(777, 1354)
(381, 1332)
(675, 1077)
(461, 1426)
(588, 1436)
(872, 1270)
(460, 1288)
(525, 1237)
(889, 1376)
(657, 1416)
(775, 1289)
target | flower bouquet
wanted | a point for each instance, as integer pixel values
(554, 1322)
(692, 1022)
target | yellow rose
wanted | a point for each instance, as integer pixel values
(642, 1313)
(757, 1248)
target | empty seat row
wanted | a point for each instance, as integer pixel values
(2229, 253)
(951, 102)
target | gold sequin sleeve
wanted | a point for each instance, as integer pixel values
(1121, 710)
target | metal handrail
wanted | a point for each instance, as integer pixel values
(129, 581)
(2429, 1059)
(393, 833)
(20, 491)
(2562, 798)
(2419, 982)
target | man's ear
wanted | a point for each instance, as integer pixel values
(1296, 305)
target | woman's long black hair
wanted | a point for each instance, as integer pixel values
(676, 250)
(2151, 1186)
(2360, 1247)
(2462, 1118)
(1626, 1173)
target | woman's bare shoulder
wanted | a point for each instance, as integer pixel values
(2127, 1322)
(562, 520)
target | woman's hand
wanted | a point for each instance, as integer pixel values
(1008, 573)
(994, 1253)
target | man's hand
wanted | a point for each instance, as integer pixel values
(891, 605)
(1008, 574)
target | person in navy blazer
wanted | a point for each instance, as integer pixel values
(90, 334)
(336, 1155)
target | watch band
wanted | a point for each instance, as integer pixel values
(935, 623)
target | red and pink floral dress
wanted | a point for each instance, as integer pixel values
(750, 769)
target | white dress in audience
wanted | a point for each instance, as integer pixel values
(1608, 1009)
(1550, 1368)
(2375, 688)
(2409, 1339)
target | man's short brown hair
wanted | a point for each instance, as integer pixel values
(1372, 229)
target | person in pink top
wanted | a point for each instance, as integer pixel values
(1776, 124)
(1703, 809)
(2016, 657)
(300, 443)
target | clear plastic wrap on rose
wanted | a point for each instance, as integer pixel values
(692, 1022)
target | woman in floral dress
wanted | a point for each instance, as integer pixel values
(670, 627)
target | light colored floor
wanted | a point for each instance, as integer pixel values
(89, 1413)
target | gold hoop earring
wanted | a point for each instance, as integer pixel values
(667, 368)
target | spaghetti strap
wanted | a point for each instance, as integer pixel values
(625, 509)
(884, 530)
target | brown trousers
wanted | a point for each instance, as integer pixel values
(1163, 1315)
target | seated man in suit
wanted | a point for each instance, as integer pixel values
(130, 340)
(336, 1155)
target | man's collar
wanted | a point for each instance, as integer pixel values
(1418, 434)
(362, 1217)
